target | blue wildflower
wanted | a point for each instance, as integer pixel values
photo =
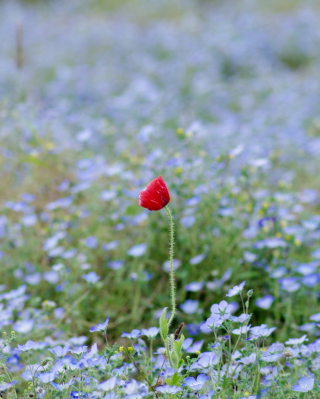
(189, 306)
(305, 384)
(237, 289)
(137, 250)
(133, 335)
(91, 278)
(196, 383)
(168, 389)
(102, 327)
(152, 332)
(60, 351)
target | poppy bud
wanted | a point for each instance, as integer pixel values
(155, 196)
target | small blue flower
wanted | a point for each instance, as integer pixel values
(248, 359)
(41, 392)
(91, 242)
(110, 245)
(60, 351)
(27, 346)
(133, 335)
(196, 383)
(62, 387)
(289, 284)
(296, 341)
(168, 389)
(305, 384)
(189, 306)
(137, 250)
(76, 394)
(193, 329)
(212, 323)
(23, 326)
(100, 327)
(108, 195)
(196, 347)
(108, 385)
(80, 350)
(188, 221)
(115, 264)
(223, 309)
(311, 280)
(242, 330)
(273, 353)
(192, 201)
(194, 286)
(237, 289)
(152, 332)
(206, 359)
(91, 278)
(265, 302)
(261, 331)
(197, 259)
(7, 385)
(315, 317)
(46, 377)
(240, 319)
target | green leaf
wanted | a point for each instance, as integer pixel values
(178, 343)
(175, 379)
(164, 326)
(174, 355)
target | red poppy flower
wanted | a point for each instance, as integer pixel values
(155, 196)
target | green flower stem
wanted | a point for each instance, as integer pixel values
(171, 254)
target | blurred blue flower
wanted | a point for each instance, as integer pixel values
(7, 385)
(133, 335)
(194, 286)
(152, 332)
(189, 306)
(115, 264)
(197, 259)
(46, 377)
(60, 351)
(137, 250)
(91, 278)
(108, 385)
(91, 242)
(289, 284)
(27, 346)
(305, 384)
(265, 302)
(196, 383)
(212, 323)
(188, 221)
(168, 389)
(110, 245)
(248, 359)
(297, 341)
(78, 394)
(261, 331)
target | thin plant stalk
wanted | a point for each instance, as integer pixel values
(171, 254)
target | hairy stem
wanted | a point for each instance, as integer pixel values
(171, 254)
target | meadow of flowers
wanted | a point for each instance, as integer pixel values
(221, 99)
